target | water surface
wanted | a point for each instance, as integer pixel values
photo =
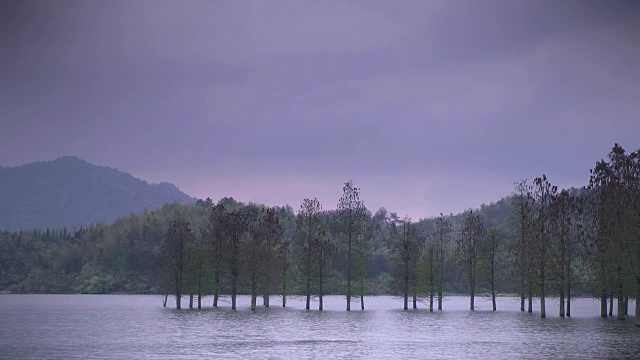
(137, 326)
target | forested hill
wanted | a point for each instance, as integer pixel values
(72, 192)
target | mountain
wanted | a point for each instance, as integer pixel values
(71, 192)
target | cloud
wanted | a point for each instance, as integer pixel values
(431, 106)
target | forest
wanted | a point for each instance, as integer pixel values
(537, 243)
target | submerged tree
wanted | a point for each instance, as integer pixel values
(543, 195)
(351, 217)
(523, 249)
(254, 251)
(173, 254)
(616, 184)
(467, 249)
(309, 225)
(429, 265)
(489, 251)
(443, 229)
(234, 226)
(407, 254)
(217, 247)
(272, 232)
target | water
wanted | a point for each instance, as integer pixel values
(137, 326)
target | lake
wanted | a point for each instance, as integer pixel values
(137, 326)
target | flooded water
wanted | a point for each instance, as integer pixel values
(131, 326)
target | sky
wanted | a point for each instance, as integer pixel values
(427, 106)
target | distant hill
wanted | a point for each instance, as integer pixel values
(71, 192)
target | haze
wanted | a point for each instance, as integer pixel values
(428, 106)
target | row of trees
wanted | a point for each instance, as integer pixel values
(244, 247)
(590, 236)
(539, 242)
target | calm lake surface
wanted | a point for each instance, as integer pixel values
(137, 326)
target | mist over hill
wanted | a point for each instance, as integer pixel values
(72, 192)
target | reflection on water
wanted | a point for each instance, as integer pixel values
(127, 326)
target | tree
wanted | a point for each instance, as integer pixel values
(407, 254)
(523, 250)
(430, 266)
(272, 236)
(467, 249)
(543, 195)
(173, 255)
(443, 229)
(254, 250)
(489, 251)
(324, 250)
(197, 270)
(234, 226)
(310, 227)
(616, 185)
(217, 245)
(351, 216)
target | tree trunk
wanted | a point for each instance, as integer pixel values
(254, 296)
(603, 305)
(415, 301)
(620, 309)
(431, 302)
(190, 301)
(265, 299)
(471, 291)
(561, 305)
(569, 276)
(637, 313)
(626, 304)
(284, 293)
(569, 298)
(307, 306)
(406, 284)
(164, 302)
(200, 293)
(522, 302)
(611, 305)
(493, 295)
(320, 304)
(234, 292)
(178, 299)
(530, 303)
(362, 293)
(543, 310)
(349, 274)
(216, 291)
(406, 293)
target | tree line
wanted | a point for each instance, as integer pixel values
(538, 242)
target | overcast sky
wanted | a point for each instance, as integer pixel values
(428, 106)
